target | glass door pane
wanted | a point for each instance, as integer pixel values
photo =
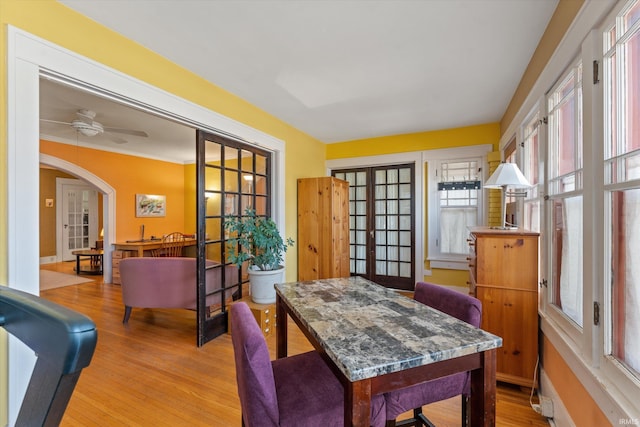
(381, 224)
(231, 177)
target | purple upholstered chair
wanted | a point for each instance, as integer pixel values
(299, 390)
(453, 303)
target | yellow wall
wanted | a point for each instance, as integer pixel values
(448, 138)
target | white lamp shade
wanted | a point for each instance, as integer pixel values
(507, 174)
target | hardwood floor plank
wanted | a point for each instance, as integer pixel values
(150, 372)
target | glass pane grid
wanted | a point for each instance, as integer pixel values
(623, 168)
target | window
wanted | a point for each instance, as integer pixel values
(564, 183)
(511, 210)
(458, 192)
(621, 61)
(530, 169)
(455, 190)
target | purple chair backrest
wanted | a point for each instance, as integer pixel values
(254, 374)
(454, 303)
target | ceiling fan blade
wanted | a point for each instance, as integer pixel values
(116, 138)
(55, 122)
(127, 131)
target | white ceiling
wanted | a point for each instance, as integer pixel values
(337, 70)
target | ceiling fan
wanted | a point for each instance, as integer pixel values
(89, 127)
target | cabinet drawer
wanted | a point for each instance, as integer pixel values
(265, 315)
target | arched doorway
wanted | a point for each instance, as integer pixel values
(108, 200)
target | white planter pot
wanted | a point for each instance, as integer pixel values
(262, 285)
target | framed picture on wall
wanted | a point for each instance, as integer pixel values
(149, 205)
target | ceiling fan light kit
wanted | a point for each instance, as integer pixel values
(87, 129)
(85, 125)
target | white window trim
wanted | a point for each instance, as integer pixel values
(433, 159)
(623, 386)
(562, 320)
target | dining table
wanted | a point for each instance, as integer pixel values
(375, 340)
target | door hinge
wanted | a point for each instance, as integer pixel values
(596, 313)
(596, 73)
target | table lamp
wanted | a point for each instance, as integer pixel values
(506, 175)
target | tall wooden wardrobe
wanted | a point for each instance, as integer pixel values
(323, 228)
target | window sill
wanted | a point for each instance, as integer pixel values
(449, 264)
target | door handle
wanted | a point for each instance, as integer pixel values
(371, 233)
(66, 225)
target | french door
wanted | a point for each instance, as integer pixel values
(77, 216)
(231, 176)
(382, 224)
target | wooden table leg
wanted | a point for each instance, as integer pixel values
(77, 264)
(357, 403)
(281, 329)
(483, 392)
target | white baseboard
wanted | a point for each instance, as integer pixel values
(48, 259)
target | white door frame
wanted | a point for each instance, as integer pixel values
(26, 55)
(62, 185)
(108, 203)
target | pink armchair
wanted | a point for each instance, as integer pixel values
(169, 283)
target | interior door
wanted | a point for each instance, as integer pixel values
(77, 218)
(231, 176)
(382, 224)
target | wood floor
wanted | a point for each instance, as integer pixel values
(150, 372)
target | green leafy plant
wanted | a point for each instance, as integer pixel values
(255, 239)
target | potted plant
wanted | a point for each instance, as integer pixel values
(256, 240)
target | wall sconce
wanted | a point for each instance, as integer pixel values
(505, 176)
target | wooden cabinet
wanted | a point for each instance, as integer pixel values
(265, 315)
(323, 228)
(116, 257)
(503, 272)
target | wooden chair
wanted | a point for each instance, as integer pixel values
(172, 245)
